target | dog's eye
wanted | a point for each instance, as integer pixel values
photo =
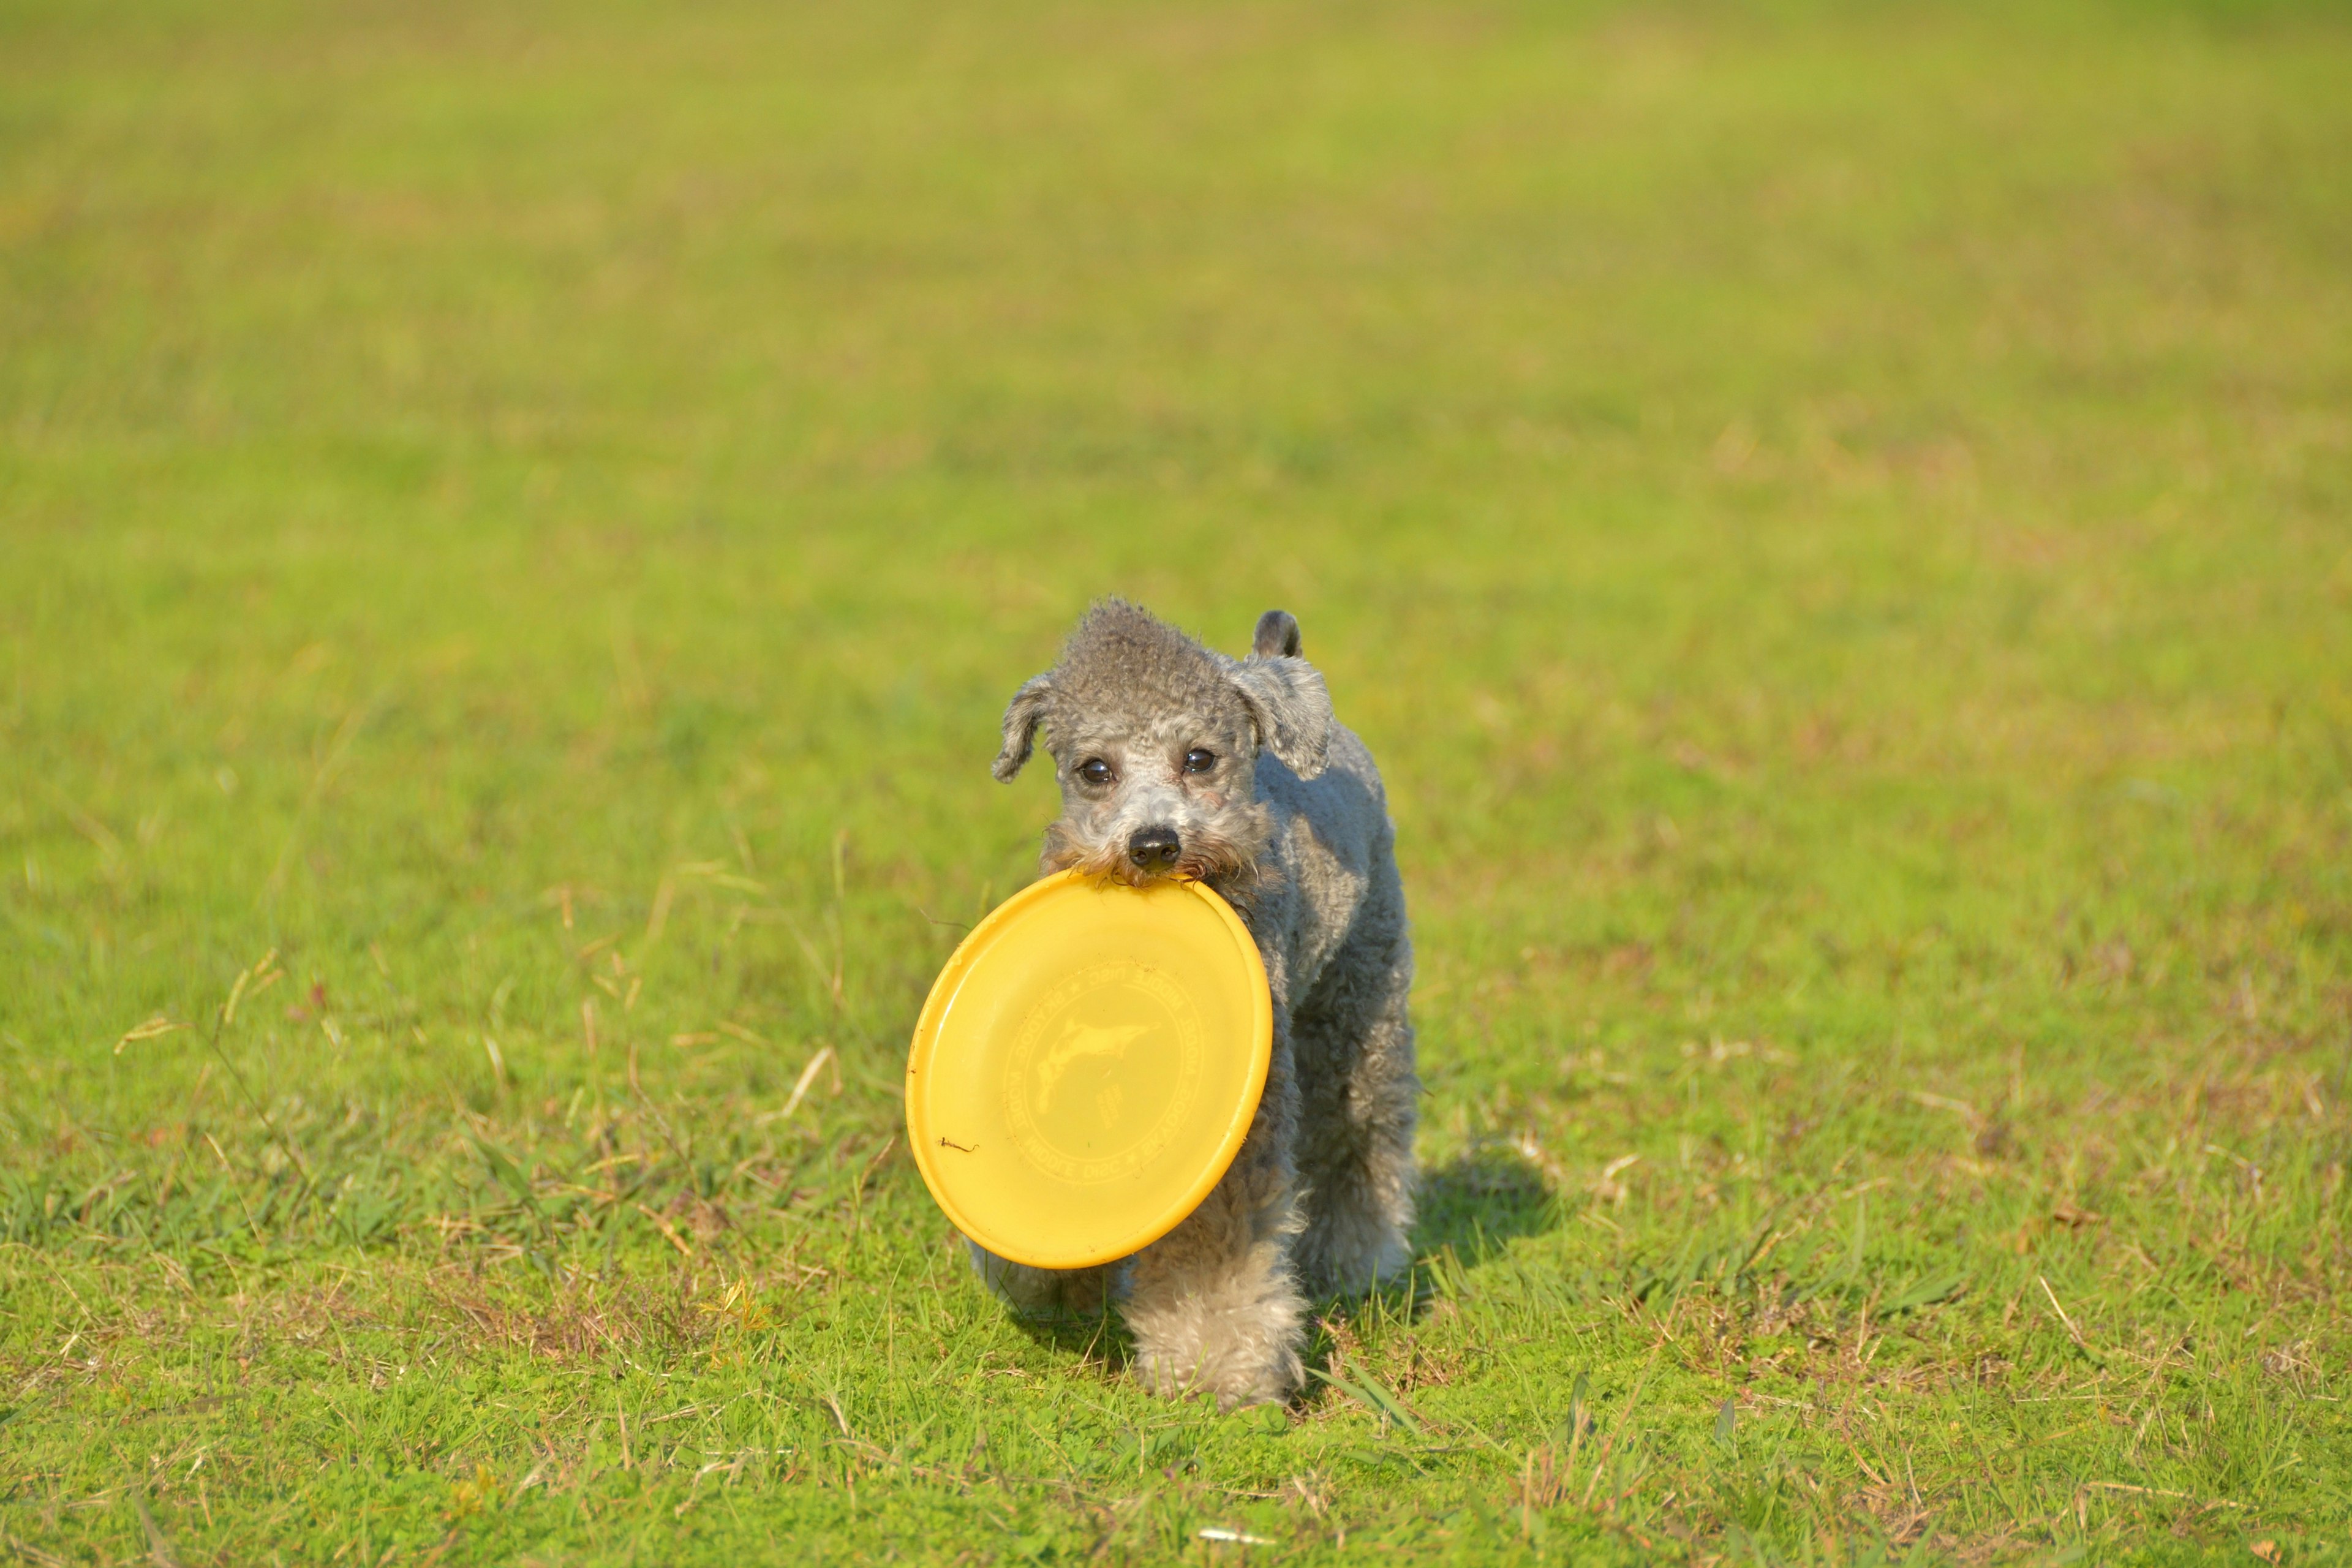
(1197, 760)
(1095, 771)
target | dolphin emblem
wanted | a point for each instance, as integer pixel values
(1079, 1042)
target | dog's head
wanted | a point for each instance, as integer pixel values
(1156, 742)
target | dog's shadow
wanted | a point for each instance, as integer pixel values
(1099, 1338)
(1476, 1205)
(1471, 1209)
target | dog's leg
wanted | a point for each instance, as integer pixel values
(1214, 1305)
(1356, 1132)
(1045, 1292)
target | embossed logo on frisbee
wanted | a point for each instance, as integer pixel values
(1109, 1059)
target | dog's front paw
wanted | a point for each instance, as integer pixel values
(1236, 1375)
(1231, 1328)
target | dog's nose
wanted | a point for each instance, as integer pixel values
(1154, 848)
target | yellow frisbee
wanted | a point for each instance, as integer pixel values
(1086, 1066)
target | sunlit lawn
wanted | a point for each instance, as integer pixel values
(517, 526)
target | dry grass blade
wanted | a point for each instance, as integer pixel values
(159, 1550)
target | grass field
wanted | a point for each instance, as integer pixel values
(517, 525)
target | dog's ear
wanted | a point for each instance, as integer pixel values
(1278, 633)
(1291, 708)
(1026, 711)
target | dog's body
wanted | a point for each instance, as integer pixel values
(1177, 761)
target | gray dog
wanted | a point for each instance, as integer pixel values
(1177, 762)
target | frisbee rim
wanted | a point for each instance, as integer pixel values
(976, 943)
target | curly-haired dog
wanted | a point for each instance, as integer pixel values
(1175, 761)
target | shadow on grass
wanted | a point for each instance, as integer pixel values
(1100, 1338)
(1470, 1209)
(1477, 1204)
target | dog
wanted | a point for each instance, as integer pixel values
(1177, 762)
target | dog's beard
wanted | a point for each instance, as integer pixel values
(1208, 856)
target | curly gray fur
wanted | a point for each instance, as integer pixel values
(1270, 800)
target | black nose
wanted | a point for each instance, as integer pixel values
(1154, 848)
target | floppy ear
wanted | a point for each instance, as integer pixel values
(1020, 721)
(1291, 708)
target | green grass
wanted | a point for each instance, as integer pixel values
(1833, 519)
